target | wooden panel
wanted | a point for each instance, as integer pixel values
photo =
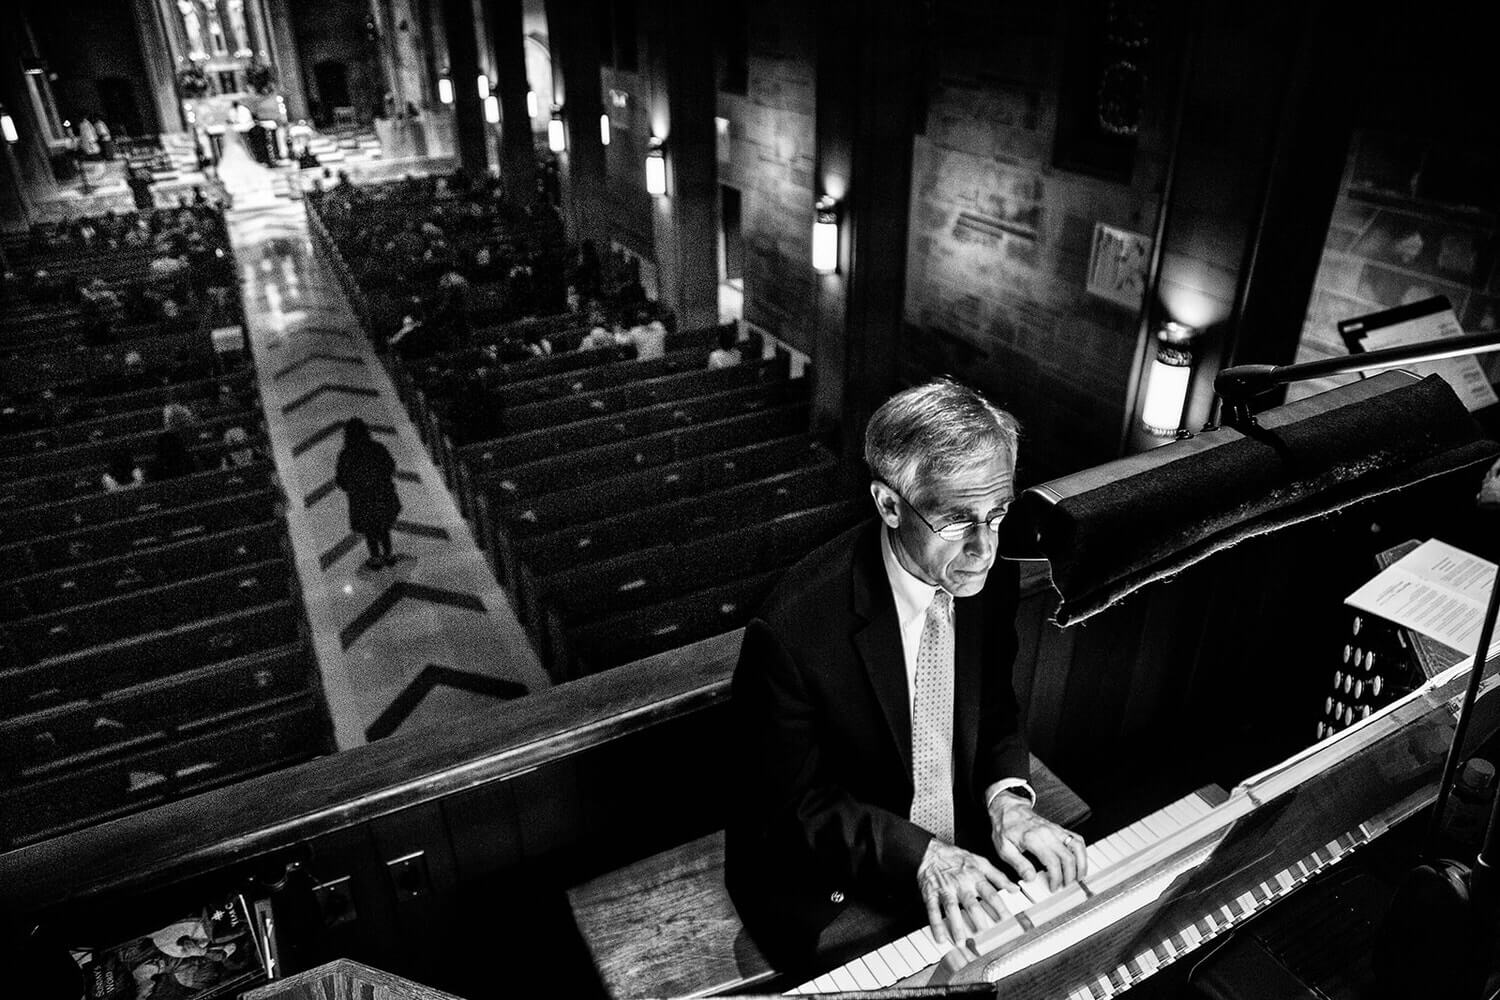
(422, 889)
(485, 829)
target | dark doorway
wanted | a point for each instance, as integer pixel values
(121, 112)
(332, 80)
(732, 262)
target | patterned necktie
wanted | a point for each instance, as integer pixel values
(932, 722)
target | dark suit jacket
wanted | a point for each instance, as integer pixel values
(823, 718)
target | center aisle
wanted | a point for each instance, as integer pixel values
(432, 638)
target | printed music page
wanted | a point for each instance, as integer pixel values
(1436, 590)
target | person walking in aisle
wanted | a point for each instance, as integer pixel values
(366, 474)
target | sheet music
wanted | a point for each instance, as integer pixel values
(1436, 590)
(1464, 374)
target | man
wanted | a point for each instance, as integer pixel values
(884, 773)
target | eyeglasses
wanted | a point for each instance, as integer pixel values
(955, 531)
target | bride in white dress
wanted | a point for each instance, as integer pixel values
(248, 183)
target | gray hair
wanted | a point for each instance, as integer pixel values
(933, 430)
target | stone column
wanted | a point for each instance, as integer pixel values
(463, 64)
(868, 85)
(160, 65)
(517, 153)
(686, 220)
(284, 59)
(574, 41)
(27, 169)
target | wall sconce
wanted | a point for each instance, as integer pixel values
(825, 240)
(483, 82)
(492, 109)
(604, 130)
(656, 169)
(1167, 385)
(445, 89)
(530, 103)
(8, 126)
(557, 139)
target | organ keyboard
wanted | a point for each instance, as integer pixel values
(1160, 888)
(918, 951)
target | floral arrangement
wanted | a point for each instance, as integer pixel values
(192, 82)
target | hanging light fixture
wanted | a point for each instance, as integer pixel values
(1171, 374)
(557, 139)
(656, 169)
(825, 239)
(492, 109)
(530, 103)
(604, 130)
(8, 126)
(483, 82)
(445, 89)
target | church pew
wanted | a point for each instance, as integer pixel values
(73, 411)
(73, 363)
(664, 572)
(90, 672)
(503, 526)
(84, 483)
(632, 635)
(93, 454)
(635, 425)
(522, 484)
(285, 732)
(674, 522)
(69, 586)
(153, 609)
(634, 394)
(710, 403)
(101, 508)
(136, 533)
(446, 433)
(147, 420)
(89, 729)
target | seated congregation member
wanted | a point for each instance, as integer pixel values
(727, 354)
(173, 458)
(238, 452)
(884, 778)
(121, 472)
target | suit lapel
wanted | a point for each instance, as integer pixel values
(878, 640)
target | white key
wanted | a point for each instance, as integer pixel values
(1110, 851)
(843, 979)
(895, 960)
(928, 946)
(1015, 901)
(1133, 840)
(1097, 862)
(1158, 826)
(911, 954)
(1036, 888)
(876, 967)
(825, 984)
(865, 979)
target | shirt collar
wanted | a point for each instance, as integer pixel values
(913, 597)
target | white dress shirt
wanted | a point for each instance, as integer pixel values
(913, 598)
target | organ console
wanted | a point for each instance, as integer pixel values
(1159, 889)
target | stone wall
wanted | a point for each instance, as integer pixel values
(1000, 240)
(772, 153)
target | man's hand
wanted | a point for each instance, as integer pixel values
(1018, 831)
(961, 890)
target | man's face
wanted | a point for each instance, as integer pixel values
(972, 494)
